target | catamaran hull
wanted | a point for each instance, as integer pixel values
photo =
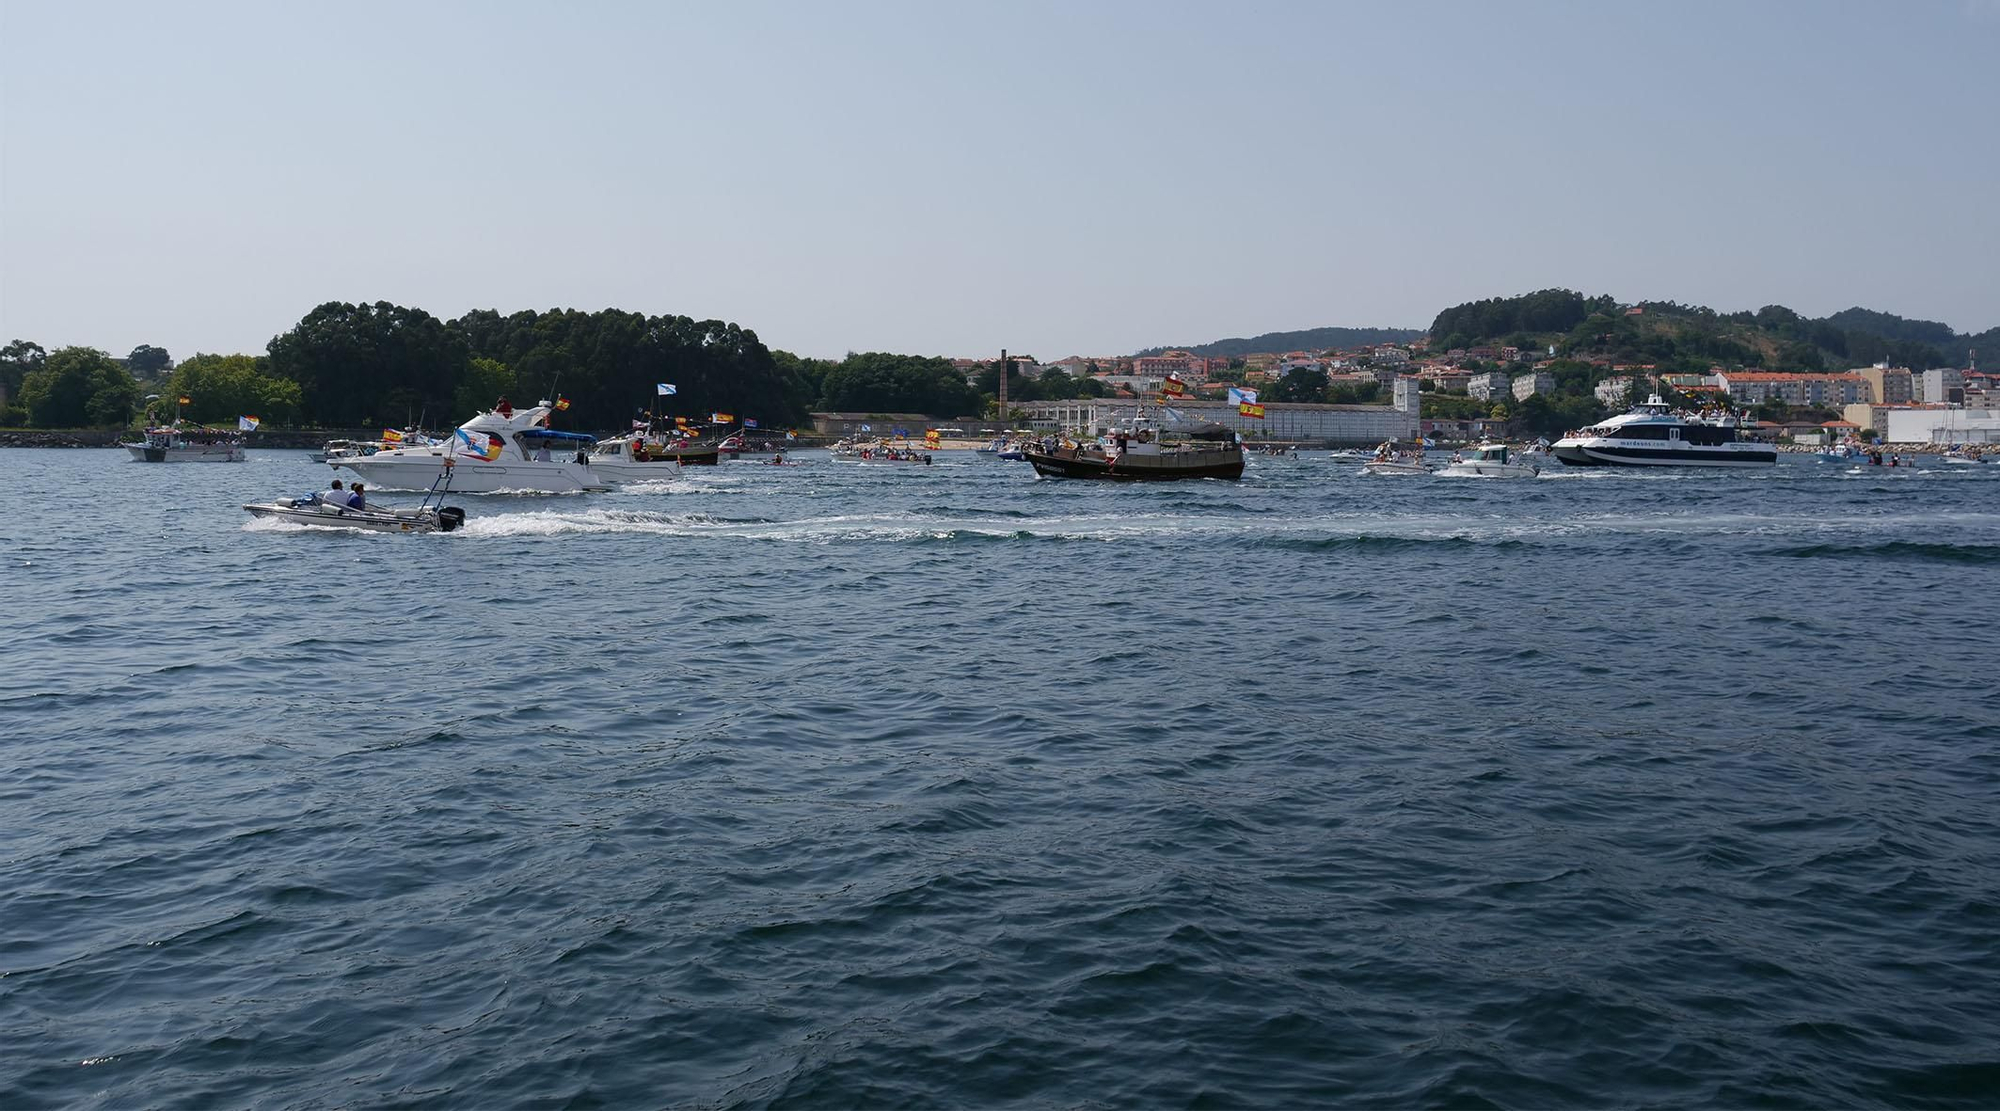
(1581, 455)
(389, 470)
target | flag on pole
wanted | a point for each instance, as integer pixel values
(867, 428)
(748, 423)
(391, 436)
(667, 389)
(1248, 409)
(479, 445)
(186, 400)
(932, 437)
(247, 424)
(791, 435)
(1240, 396)
(561, 403)
(722, 418)
(1174, 387)
(638, 425)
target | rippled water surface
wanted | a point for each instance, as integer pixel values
(847, 785)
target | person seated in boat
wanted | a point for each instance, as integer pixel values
(503, 407)
(542, 454)
(356, 498)
(334, 495)
(639, 452)
(778, 459)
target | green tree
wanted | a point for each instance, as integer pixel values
(355, 363)
(147, 362)
(222, 388)
(1300, 385)
(485, 382)
(17, 360)
(77, 387)
(877, 382)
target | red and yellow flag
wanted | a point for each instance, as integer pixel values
(391, 436)
(1174, 387)
(561, 403)
(1249, 410)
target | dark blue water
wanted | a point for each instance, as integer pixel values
(880, 786)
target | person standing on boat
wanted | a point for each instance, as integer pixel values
(504, 408)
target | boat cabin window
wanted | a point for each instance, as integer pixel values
(1641, 432)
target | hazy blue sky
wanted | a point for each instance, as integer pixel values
(953, 177)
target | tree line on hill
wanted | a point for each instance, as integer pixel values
(1773, 337)
(357, 365)
(1310, 339)
(360, 365)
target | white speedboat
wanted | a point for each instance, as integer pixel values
(1961, 457)
(1390, 461)
(176, 444)
(1490, 460)
(494, 451)
(1652, 436)
(643, 458)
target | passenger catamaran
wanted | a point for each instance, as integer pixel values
(1652, 436)
(506, 449)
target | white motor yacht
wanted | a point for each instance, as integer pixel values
(1489, 460)
(494, 451)
(1652, 436)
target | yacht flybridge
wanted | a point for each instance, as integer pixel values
(505, 449)
(1651, 435)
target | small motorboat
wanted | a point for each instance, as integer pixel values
(1488, 460)
(430, 515)
(1391, 460)
(312, 511)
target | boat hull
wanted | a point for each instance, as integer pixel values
(1394, 470)
(1139, 468)
(210, 453)
(320, 515)
(393, 470)
(1595, 454)
(1487, 470)
(658, 469)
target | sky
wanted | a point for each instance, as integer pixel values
(1055, 178)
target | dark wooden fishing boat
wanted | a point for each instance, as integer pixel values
(1141, 453)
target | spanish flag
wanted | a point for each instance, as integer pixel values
(391, 436)
(561, 403)
(722, 418)
(1248, 409)
(1174, 387)
(932, 437)
(186, 400)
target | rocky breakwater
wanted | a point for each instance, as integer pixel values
(62, 437)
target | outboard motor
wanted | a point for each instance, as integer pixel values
(450, 517)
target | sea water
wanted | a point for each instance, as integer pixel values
(887, 785)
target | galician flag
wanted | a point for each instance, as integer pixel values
(667, 389)
(247, 424)
(478, 445)
(1240, 396)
